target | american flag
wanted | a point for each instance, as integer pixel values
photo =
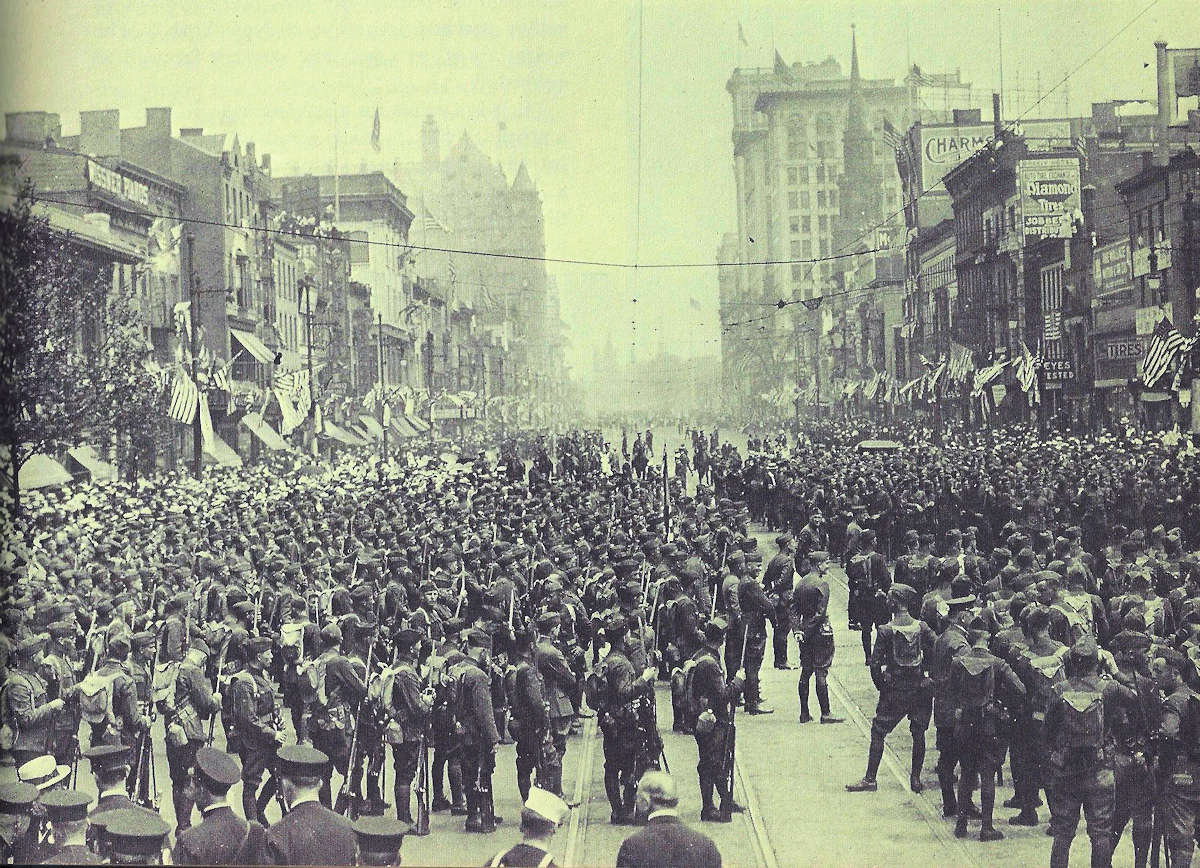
(1025, 368)
(184, 399)
(1166, 344)
(294, 384)
(961, 365)
(893, 139)
(1053, 325)
(918, 78)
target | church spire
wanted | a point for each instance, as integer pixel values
(856, 117)
(854, 78)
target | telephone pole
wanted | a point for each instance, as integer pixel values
(194, 299)
(383, 420)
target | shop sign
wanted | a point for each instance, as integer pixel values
(1057, 370)
(1162, 258)
(1112, 270)
(1049, 196)
(1148, 317)
(1126, 348)
(116, 183)
(945, 147)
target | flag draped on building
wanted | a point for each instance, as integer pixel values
(184, 398)
(961, 366)
(1166, 344)
(985, 376)
(1025, 368)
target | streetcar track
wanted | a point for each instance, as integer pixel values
(752, 820)
(577, 830)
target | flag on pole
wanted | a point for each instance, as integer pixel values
(375, 131)
(1026, 369)
(782, 69)
(742, 35)
(1165, 346)
(891, 137)
(918, 78)
(694, 303)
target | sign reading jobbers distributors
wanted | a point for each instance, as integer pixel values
(1049, 196)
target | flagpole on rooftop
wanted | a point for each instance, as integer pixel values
(337, 178)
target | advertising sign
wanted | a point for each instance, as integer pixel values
(1162, 258)
(1049, 196)
(117, 183)
(1057, 370)
(1123, 348)
(944, 147)
(1111, 267)
(1148, 317)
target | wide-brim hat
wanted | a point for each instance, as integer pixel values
(43, 772)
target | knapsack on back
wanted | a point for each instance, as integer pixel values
(907, 654)
(1082, 720)
(972, 682)
(692, 703)
(96, 698)
(162, 685)
(856, 570)
(1046, 672)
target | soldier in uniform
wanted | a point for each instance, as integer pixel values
(1178, 756)
(194, 703)
(735, 563)
(478, 737)
(531, 720)
(60, 668)
(110, 764)
(141, 747)
(777, 580)
(27, 712)
(713, 698)
(616, 685)
(408, 710)
(558, 683)
(66, 811)
(869, 580)
(444, 665)
(757, 608)
(899, 668)
(121, 713)
(338, 689)
(810, 597)
(255, 720)
(222, 837)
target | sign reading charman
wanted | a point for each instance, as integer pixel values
(944, 147)
(1049, 196)
(117, 183)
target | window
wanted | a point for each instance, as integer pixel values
(833, 198)
(807, 249)
(791, 176)
(824, 246)
(804, 199)
(820, 198)
(821, 174)
(795, 249)
(794, 224)
(823, 224)
(806, 224)
(793, 200)
(797, 271)
(821, 151)
(360, 250)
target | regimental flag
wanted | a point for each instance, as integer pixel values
(184, 399)
(375, 131)
(1166, 344)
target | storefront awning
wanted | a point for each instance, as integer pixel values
(253, 346)
(371, 425)
(401, 426)
(264, 432)
(40, 471)
(415, 421)
(88, 458)
(222, 453)
(334, 432)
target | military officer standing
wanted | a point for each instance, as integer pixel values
(408, 709)
(479, 736)
(810, 600)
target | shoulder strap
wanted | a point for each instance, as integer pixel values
(546, 860)
(497, 860)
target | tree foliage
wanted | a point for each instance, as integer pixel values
(71, 347)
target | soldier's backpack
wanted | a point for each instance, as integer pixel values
(291, 640)
(162, 685)
(1045, 673)
(379, 701)
(908, 656)
(972, 682)
(1082, 728)
(96, 698)
(692, 703)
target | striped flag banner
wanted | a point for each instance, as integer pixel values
(891, 137)
(961, 365)
(291, 417)
(184, 399)
(1166, 344)
(982, 378)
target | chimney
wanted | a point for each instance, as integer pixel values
(1166, 104)
(430, 147)
(32, 127)
(158, 122)
(100, 132)
(191, 132)
(266, 164)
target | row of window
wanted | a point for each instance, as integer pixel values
(238, 206)
(800, 174)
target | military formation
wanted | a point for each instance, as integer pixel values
(311, 630)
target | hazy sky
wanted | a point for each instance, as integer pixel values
(564, 78)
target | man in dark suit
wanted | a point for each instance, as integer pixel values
(665, 840)
(222, 838)
(310, 833)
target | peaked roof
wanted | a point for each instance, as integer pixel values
(856, 115)
(522, 181)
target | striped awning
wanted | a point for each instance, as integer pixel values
(334, 432)
(264, 432)
(40, 471)
(402, 426)
(371, 425)
(92, 462)
(253, 346)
